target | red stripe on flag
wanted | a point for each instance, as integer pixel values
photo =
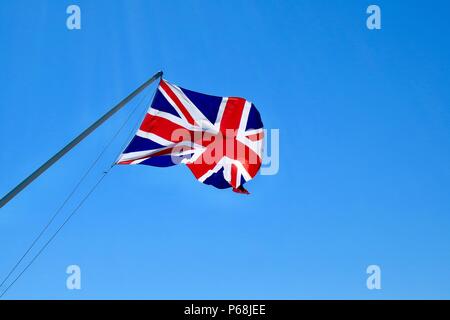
(256, 136)
(234, 176)
(199, 168)
(163, 152)
(249, 159)
(177, 101)
(232, 114)
(164, 128)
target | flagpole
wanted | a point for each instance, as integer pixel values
(10, 195)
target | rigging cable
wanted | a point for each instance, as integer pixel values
(132, 132)
(54, 234)
(14, 268)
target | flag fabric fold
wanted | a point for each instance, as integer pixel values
(220, 139)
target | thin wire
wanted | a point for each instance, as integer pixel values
(54, 234)
(133, 132)
(72, 192)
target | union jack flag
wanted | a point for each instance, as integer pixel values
(219, 139)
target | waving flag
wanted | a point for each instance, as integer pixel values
(218, 138)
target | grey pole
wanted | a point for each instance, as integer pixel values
(75, 141)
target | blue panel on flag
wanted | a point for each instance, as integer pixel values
(254, 119)
(208, 105)
(142, 144)
(217, 180)
(160, 161)
(160, 103)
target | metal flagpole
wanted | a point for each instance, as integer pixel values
(75, 141)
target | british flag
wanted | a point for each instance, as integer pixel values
(220, 139)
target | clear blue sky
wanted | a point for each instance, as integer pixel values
(364, 174)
